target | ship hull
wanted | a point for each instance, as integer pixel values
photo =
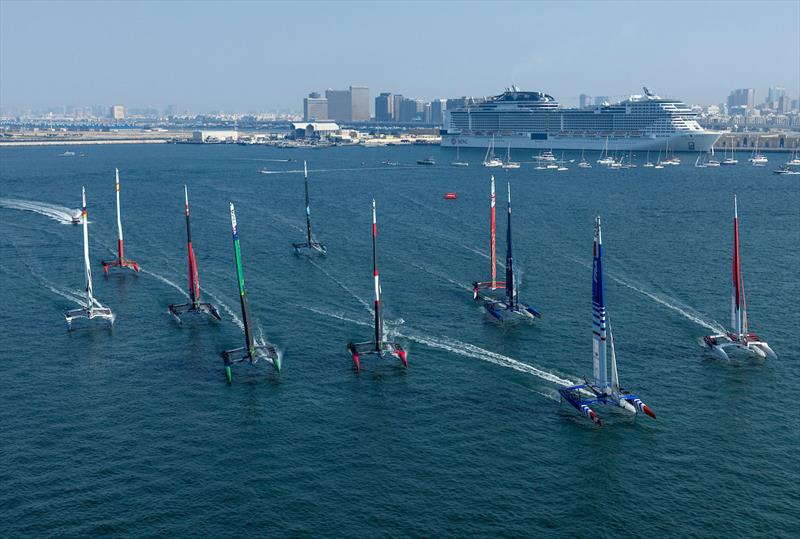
(690, 142)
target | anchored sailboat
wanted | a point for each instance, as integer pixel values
(196, 306)
(490, 159)
(120, 261)
(380, 346)
(601, 390)
(511, 308)
(250, 351)
(493, 284)
(93, 308)
(740, 339)
(309, 243)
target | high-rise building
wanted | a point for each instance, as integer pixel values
(742, 97)
(340, 106)
(117, 112)
(437, 111)
(359, 104)
(585, 101)
(384, 107)
(784, 104)
(411, 110)
(397, 98)
(775, 94)
(315, 107)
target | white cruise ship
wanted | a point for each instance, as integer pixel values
(534, 120)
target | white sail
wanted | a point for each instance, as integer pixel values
(87, 266)
(119, 218)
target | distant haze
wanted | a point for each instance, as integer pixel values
(258, 56)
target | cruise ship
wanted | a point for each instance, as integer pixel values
(522, 119)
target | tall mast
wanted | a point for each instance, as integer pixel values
(614, 373)
(308, 207)
(737, 299)
(87, 267)
(194, 281)
(493, 237)
(119, 221)
(240, 277)
(598, 311)
(378, 316)
(510, 290)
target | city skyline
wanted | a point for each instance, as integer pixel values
(269, 56)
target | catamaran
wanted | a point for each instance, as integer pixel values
(601, 390)
(511, 308)
(93, 308)
(380, 346)
(739, 339)
(490, 159)
(196, 306)
(251, 351)
(492, 284)
(310, 243)
(120, 261)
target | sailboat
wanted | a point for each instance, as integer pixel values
(584, 163)
(730, 160)
(492, 284)
(310, 243)
(511, 308)
(121, 261)
(648, 163)
(196, 306)
(251, 351)
(795, 160)
(605, 159)
(93, 308)
(380, 346)
(490, 160)
(562, 164)
(698, 163)
(739, 339)
(601, 389)
(630, 163)
(659, 162)
(458, 162)
(671, 158)
(712, 161)
(509, 164)
(758, 159)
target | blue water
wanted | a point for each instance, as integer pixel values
(134, 432)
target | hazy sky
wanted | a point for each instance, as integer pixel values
(247, 56)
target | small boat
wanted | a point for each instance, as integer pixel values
(426, 161)
(310, 242)
(602, 389)
(510, 308)
(67, 154)
(561, 164)
(739, 339)
(196, 306)
(584, 163)
(77, 217)
(451, 195)
(251, 351)
(547, 155)
(786, 170)
(490, 160)
(380, 346)
(729, 160)
(93, 308)
(605, 159)
(758, 159)
(120, 262)
(795, 160)
(712, 161)
(509, 164)
(390, 163)
(458, 162)
(630, 163)
(648, 163)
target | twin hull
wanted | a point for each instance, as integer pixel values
(690, 142)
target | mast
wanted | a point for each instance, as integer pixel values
(308, 208)
(194, 281)
(614, 374)
(510, 289)
(87, 267)
(378, 316)
(598, 311)
(493, 237)
(119, 221)
(736, 292)
(240, 277)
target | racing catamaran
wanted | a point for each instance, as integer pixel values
(251, 351)
(380, 345)
(195, 307)
(93, 308)
(511, 308)
(740, 339)
(120, 261)
(493, 284)
(309, 243)
(601, 390)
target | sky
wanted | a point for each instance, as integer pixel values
(259, 56)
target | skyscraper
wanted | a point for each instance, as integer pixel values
(359, 104)
(585, 101)
(315, 107)
(384, 107)
(437, 111)
(340, 107)
(742, 97)
(117, 112)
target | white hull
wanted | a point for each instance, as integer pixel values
(694, 142)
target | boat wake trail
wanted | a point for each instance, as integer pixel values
(57, 213)
(344, 287)
(670, 303)
(217, 301)
(166, 281)
(460, 286)
(300, 171)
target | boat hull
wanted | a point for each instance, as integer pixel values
(690, 142)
